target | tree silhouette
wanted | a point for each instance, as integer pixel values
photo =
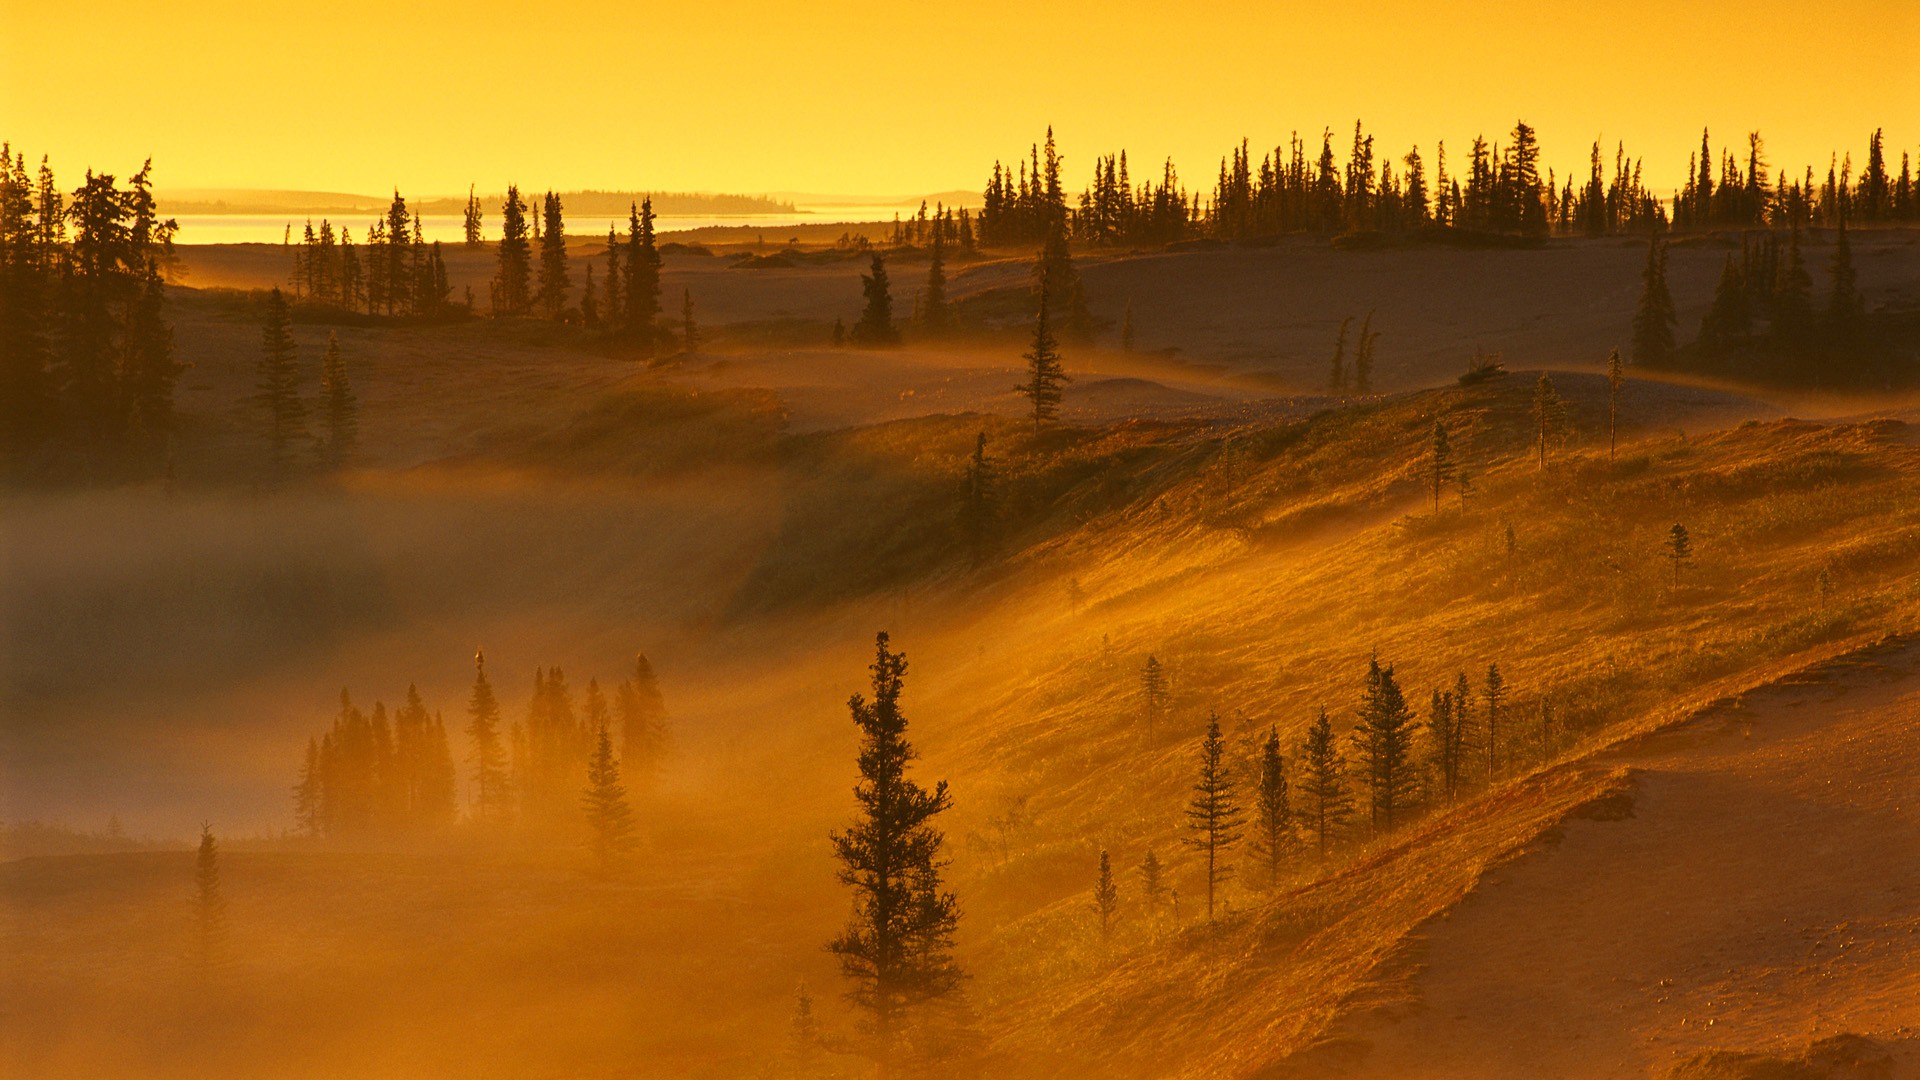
(1153, 885)
(1153, 692)
(470, 224)
(934, 316)
(342, 409)
(644, 733)
(1273, 813)
(875, 327)
(1337, 377)
(1494, 693)
(1045, 375)
(1549, 416)
(209, 905)
(514, 260)
(898, 944)
(492, 801)
(1440, 466)
(1106, 896)
(977, 512)
(609, 818)
(277, 390)
(554, 279)
(1384, 738)
(1214, 815)
(1679, 549)
(1653, 319)
(1323, 783)
(1616, 378)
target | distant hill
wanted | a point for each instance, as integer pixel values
(320, 203)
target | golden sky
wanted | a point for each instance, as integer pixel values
(871, 97)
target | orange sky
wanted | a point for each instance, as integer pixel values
(863, 96)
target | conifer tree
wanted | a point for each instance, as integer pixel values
(1494, 693)
(1727, 320)
(875, 327)
(609, 818)
(471, 224)
(554, 279)
(1384, 738)
(934, 316)
(1153, 885)
(643, 277)
(1843, 298)
(1653, 320)
(1273, 812)
(278, 390)
(689, 330)
(1793, 293)
(1056, 279)
(1440, 467)
(644, 733)
(614, 306)
(343, 411)
(209, 905)
(1214, 816)
(515, 258)
(1549, 416)
(898, 944)
(306, 793)
(1153, 692)
(1679, 549)
(1045, 375)
(1616, 378)
(491, 800)
(1106, 896)
(1446, 735)
(589, 302)
(1337, 377)
(1323, 784)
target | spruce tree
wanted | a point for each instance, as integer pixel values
(554, 279)
(1045, 375)
(1616, 378)
(1792, 294)
(1440, 467)
(1843, 298)
(1153, 884)
(471, 224)
(277, 390)
(642, 306)
(977, 513)
(644, 733)
(342, 409)
(1273, 813)
(209, 905)
(492, 802)
(1363, 356)
(1214, 816)
(898, 944)
(1153, 692)
(1384, 738)
(875, 327)
(934, 317)
(1494, 694)
(1106, 896)
(1679, 549)
(1727, 320)
(1653, 320)
(609, 818)
(1323, 784)
(614, 307)
(1549, 416)
(515, 258)
(306, 793)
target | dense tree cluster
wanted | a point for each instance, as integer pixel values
(87, 364)
(368, 777)
(1497, 189)
(396, 272)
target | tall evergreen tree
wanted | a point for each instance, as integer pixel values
(875, 327)
(1843, 298)
(342, 409)
(1494, 694)
(1679, 549)
(515, 259)
(1153, 691)
(209, 904)
(554, 279)
(1153, 884)
(1384, 738)
(644, 733)
(1106, 896)
(1045, 375)
(1363, 356)
(1273, 811)
(1653, 320)
(277, 390)
(898, 944)
(1327, 802)
(1728, 320)
(472, 222)
(609, 818)
(977, 512)
(934, 316)
(492, 802)
(642, 307)
(1337, 377)
(1440, 466)
(1549, 416)
(1214, 816)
